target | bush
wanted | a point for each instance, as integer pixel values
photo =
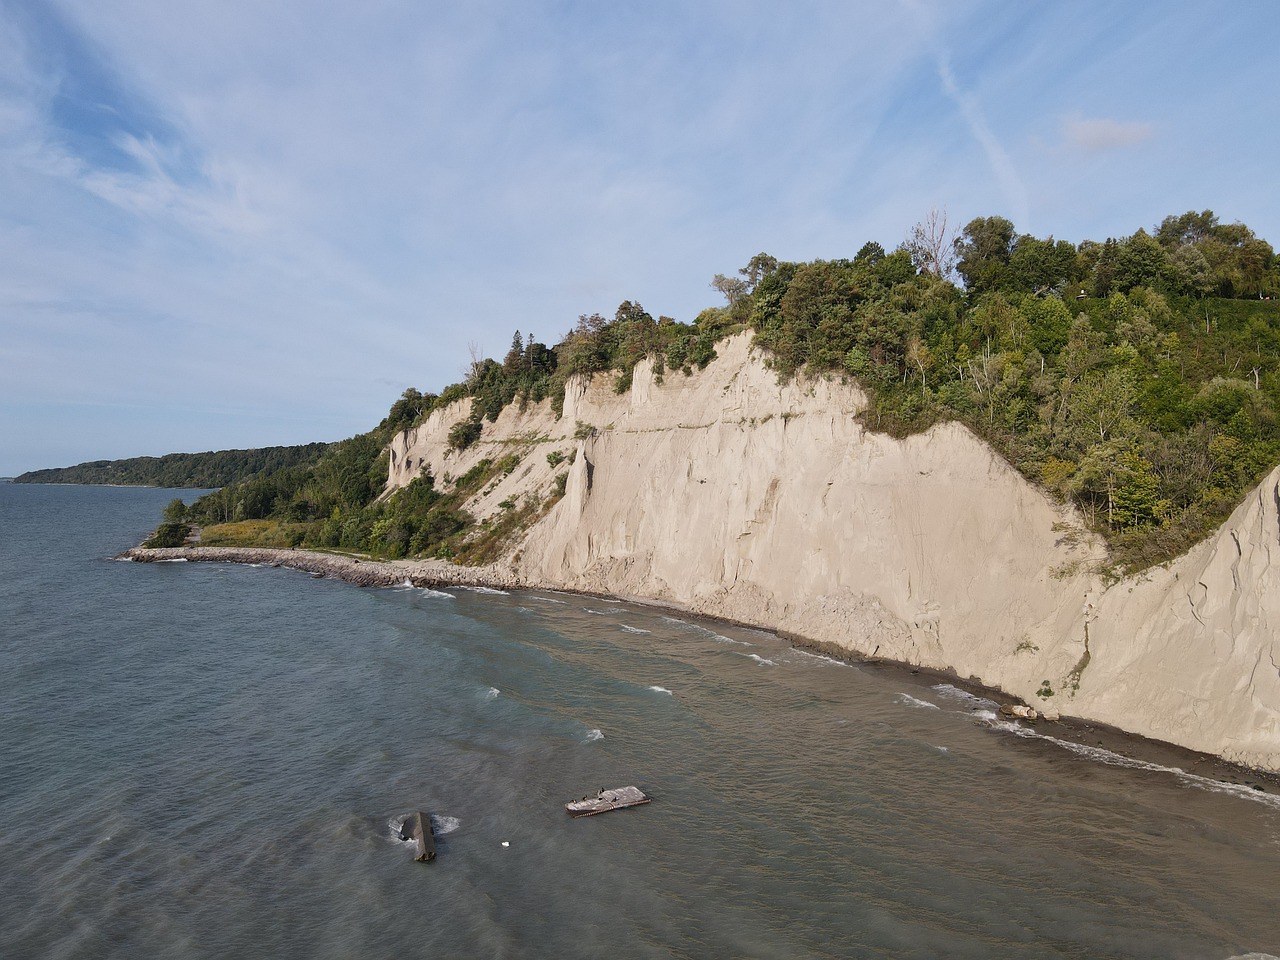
(169, 535)
(464, 433)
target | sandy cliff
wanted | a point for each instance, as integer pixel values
(732, 495)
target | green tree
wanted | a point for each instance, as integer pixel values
(983, 250)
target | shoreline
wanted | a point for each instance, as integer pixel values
(439, 573)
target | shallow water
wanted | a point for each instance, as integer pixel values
(203, 760)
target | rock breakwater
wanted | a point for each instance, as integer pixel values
(354, 570)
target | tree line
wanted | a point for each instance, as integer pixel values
(1135, 377)
(210, 469)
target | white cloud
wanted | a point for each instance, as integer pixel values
(309, 210)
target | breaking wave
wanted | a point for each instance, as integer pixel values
(910, 701)
(955, 693)
(1113, 759)
(441, 824)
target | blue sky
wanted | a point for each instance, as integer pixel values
(256, 222)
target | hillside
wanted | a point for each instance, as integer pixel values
(730, 495)
(211, 469)
(1070, 497)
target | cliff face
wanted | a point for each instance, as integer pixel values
(731, 495)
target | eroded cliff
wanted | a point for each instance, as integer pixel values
(732, 495)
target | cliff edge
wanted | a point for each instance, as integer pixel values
(730, 494)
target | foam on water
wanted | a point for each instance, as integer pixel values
(438, 594)
(763, 661)
(821, 658)
(955, 693)
(173, 560)
(548, 599)
(657, 689)
(394, 826)
(1113, 759)
(442, 824)
(492, 590)
(910, 701)
(630, 629)
(492, 693)
(364, 705)
(697, 628)
(593, 735)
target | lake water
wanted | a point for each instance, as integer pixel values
(206, 760)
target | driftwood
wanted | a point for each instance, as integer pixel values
(417, 827)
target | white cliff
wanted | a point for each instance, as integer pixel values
(731, 495)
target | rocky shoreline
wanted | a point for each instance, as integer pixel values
(439, 573)
(336, 566)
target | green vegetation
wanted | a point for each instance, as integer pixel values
(212, 469)
(1118, 375)
(1138, 378)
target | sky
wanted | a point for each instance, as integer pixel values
(257, 222)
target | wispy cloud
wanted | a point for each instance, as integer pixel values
(309, 210)
(970, 109)
(1101, 134)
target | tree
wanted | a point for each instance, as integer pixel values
(1186, 230)
(1191, 272)
(733, 288)
(1142, 262)
(933, 246)
(983, 250)
(869, 253)
(1038, 266)
(757, 268)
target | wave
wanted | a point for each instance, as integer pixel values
(173, 560)
(763, 661)
(705, 632)
(428, 592)
(395, 825)
(441, 824)
(657, 689)
(1113, 759)
(955, 693)
(632, 629)
(493, 590)
(821, 657)
(906, 698)
(593, 735)
(548, 599)
(492, 693)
